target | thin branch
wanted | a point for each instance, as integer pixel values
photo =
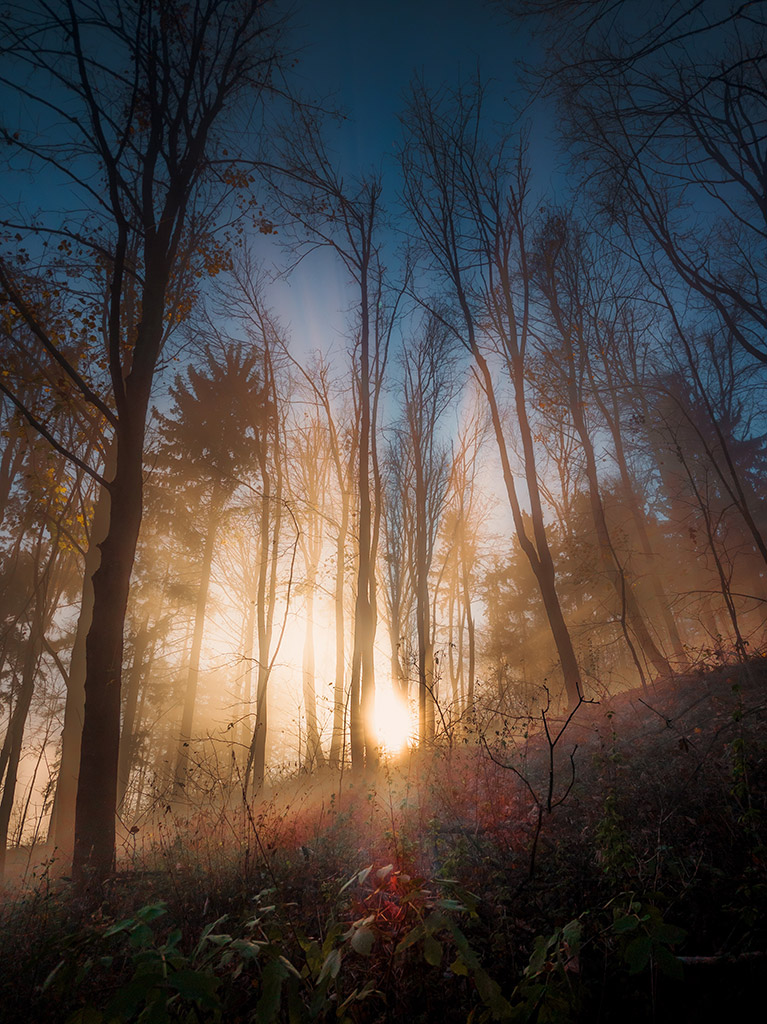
(44, 432)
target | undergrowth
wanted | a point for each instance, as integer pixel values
(607, 868)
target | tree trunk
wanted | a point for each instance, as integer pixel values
(339, 702)
(362, 697)
(314, 754)
(612, 418)
(612, 569)
(193, 673)
(127, 736)
(423, 610)
(538, 553)
(94, 847)
(62, 826)
(15, 735)
(270, 529)
(471, 636)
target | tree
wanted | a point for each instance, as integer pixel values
(470, 202)
(396, 555)
(138, 137)
(461, 529)
(267, 502)
(347, 219)
(428, 390)
(212, 436)
(34, 576)
(341, 438)
(567, 280)
(665, 106)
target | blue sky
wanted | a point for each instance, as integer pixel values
(367, 52)
(362, 56)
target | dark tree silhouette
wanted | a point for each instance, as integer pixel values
(138, 94)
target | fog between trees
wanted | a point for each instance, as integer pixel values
(535, 462)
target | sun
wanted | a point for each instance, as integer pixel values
(392, 724)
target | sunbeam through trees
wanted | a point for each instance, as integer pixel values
(382, 479)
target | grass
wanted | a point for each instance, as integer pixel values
(615, 873)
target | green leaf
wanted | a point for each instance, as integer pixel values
(330, 939)
(119, 926)
(538, 957)
(432, 951)
(290, 968)
(151, 911)
(274, 974)
(637, 954)
(362, 940)
(362, 875)
(459, 967)
(196, 985)
(331, 966)
(571, 934)
(53, 975)
(140, 936)
(670, 965)
(359, 877)
(451, 905)
(629, 923)
(491, 996)
(246, 948)
(411, 938)
(214, 924)
(669, 934)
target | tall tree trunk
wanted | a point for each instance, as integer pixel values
(193, 672)
(362, 699)
(339, 702)
(127, 735)
(538, 553)
(15, 735)
(426, 696)
(612, 569)
(612, 417)
(62, 826)
(242, 732)
(314, 754)
(470, 632)
(94, 847)
(270, 533)
(724, 583)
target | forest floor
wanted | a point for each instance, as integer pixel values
(609, 866)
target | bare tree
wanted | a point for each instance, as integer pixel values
(397, 552)
(665, 107)
(342, 441)
(470, 203)
(462, 523)
(325, 211)
(428, 378)
(134, 137)
(310, 468)
(567, 281)
(35, 577)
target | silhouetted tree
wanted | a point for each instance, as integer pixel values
(470, 202)
(134, 138)
(347, 219)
